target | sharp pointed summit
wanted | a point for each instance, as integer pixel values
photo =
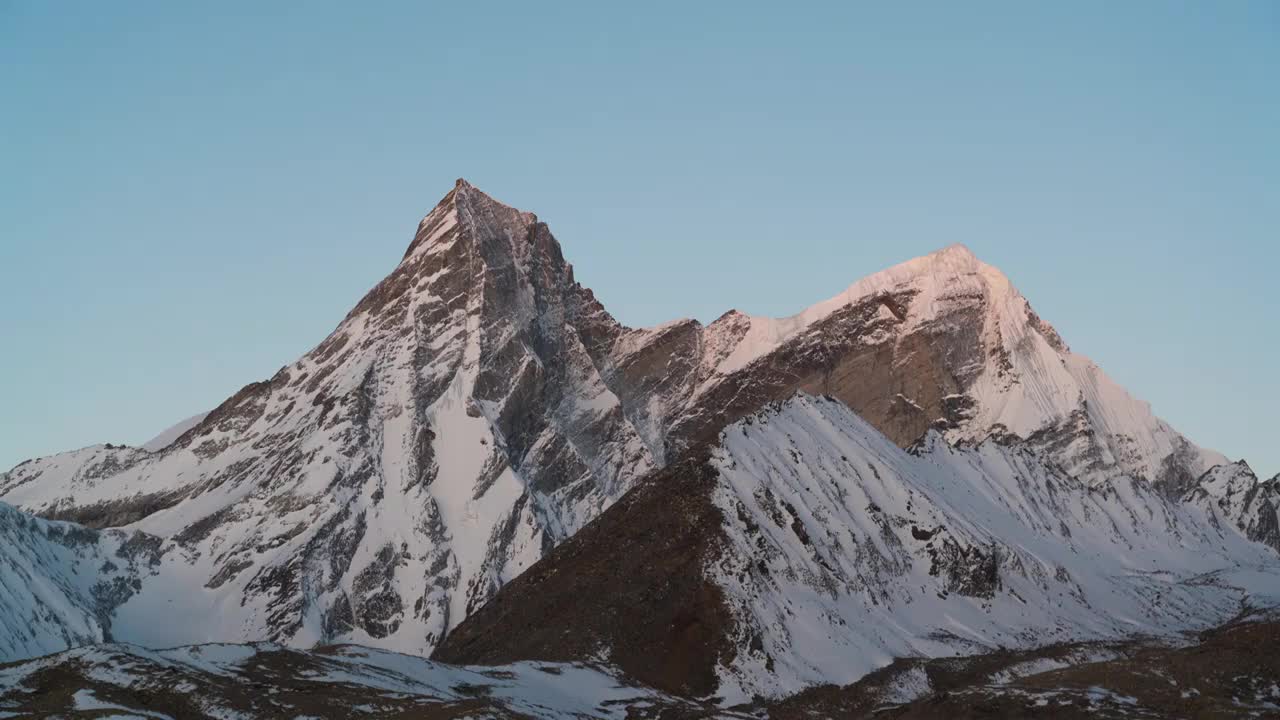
(464, 201)
(452, 426)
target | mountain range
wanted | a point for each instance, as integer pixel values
(482, 463)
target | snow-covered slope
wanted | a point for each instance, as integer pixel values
(59, 582)
(846, 551)
(826, 551)
(479, 406)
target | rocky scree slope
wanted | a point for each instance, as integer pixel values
(806, 549)
(479, 406)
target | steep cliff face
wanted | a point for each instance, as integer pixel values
(826, 551)
(479, 406)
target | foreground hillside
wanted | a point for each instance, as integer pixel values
(271, 681)
(1219, 674)
(59, 581)
(1225, 672)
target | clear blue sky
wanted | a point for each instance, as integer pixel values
(192, 195)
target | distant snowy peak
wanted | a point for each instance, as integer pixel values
(937, 280)
(941, 342)
(943, 286)
(172, 433)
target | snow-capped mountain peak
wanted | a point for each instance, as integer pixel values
(452, 426)
(935, 280)
(943, 341)
(478, 406)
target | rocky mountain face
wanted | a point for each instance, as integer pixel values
(452, 428)
(1233, 496)
(807, 549)
(479, 406)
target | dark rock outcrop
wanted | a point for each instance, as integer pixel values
(629, 586)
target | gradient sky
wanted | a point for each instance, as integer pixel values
(192, 197)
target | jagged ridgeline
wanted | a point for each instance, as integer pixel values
(479, 407)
